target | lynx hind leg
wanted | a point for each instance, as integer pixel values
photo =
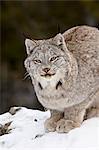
(93, 110)
(51, 123)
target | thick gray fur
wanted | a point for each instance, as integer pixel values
(65, 74)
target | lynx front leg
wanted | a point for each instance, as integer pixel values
(73, 118)
(51, 123)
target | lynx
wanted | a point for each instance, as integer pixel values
(65, 73)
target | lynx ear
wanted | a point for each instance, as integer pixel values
(60, 41)
(30, 45)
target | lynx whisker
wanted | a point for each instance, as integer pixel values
(26, 76)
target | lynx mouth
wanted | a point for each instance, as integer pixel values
(48, 75)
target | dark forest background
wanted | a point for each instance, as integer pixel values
(33, 19)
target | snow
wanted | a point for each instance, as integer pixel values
(27, 133)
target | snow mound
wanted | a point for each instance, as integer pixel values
(26, 132)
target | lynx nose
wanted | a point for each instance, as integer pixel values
(46, 69)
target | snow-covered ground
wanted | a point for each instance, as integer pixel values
(27, 133)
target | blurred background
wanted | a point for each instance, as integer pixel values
(38, 20)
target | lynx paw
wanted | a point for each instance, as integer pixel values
(50, 125)
(64, 126)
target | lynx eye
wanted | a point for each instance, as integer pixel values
(37, 61)
(54, 58)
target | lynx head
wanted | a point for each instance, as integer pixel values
(48, 61)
